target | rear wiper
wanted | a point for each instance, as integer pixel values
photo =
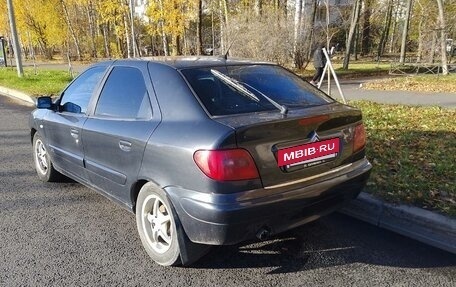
(239, 86)
(234, 84)
(282, 108)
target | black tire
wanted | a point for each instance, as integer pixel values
(42, 160)
(156, 224)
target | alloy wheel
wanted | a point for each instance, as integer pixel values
(156, 221)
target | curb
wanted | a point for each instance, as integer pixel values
(426, 226)
(17, 95)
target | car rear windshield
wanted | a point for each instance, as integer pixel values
(241, 89)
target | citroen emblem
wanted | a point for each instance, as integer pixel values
(314, 137)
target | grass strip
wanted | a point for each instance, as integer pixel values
(413, 151)
(420, 83)
(44, 82)
(356, 70)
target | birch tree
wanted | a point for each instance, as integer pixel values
(385, 30)
(42, 19)
(71, 29)
(297, 33)
(199, 21)
(366, 39)
(442, 38)
(405, 31)
(353, 23)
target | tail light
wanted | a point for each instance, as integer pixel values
(359, 140)
(224, 165)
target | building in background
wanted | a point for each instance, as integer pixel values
(338, 10)
(140, 9)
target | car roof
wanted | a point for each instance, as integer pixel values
(182, 62)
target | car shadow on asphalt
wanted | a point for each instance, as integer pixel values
(332, 241)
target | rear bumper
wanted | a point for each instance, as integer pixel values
(222, 219)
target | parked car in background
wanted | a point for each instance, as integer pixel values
(205, 150)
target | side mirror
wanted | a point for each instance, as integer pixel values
(44, 103)
(71, 107)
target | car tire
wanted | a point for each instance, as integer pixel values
(156, 225)
(42, 160)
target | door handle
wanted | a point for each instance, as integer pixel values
(74, 133)
(125, 145)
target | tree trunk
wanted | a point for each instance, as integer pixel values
(353, 23)
(106, 41)
(393, 34)
(175, 49)
(420, 39)
(92, 29)
(310, 34)
(366, 39)
(328, 37)
(225, 13)
(120, 47)
(283, 4)
(434, 40)
(223, 19)
(164, 41)
(72, 32)
(385, 31)
(213, 33)
(278, 9)
(297, 33)
(405, 31)
(257, 7)
(162, 28)
(131, 19)
(443, 38)
(127, 36)
(356, 42)
(199, 37)
(222, 28)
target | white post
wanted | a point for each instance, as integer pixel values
(331, 68)
(322, 75)
(16, 48)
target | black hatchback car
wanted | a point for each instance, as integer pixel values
(205, 151)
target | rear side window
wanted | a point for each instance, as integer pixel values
(124, 95)
(271, 81)
(76, 97)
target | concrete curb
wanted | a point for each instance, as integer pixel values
(417, 223)
(17, 95)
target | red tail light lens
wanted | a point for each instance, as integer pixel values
(223, 165)
(359, 140)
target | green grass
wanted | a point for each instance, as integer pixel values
(356, 70)
(45, 82)
(422, 83)
(413, 151)
(362, 69)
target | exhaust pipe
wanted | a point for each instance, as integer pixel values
(264, 233)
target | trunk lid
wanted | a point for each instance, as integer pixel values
(305, 142)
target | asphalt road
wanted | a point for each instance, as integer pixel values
(353, 91)
(67, 235)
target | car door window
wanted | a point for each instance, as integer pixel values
(124, 95)
(76, 97)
